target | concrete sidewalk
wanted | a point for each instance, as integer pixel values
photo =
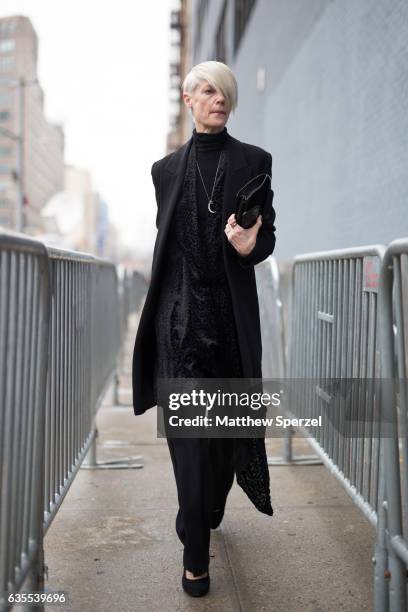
(113, 544)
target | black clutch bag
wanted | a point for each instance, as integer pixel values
(250, 200)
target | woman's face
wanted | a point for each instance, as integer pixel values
(210, 108)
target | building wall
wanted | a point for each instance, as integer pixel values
(333, 113)
(180, 63)
(43, 165)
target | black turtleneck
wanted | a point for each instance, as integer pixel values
(209, 142)
(208, 148)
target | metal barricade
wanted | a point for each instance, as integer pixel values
(349, 320)
(132, 288)
(84, 345)
(271, 316)
(24, 330)
(124, 299)
(138, 292)
(274, 323)
(59, 341)
(392, 539)
(333, 335)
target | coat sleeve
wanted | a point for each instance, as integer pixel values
(156, 182)
(265, 240)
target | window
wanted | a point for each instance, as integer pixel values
(5, 202)
(7, 44)
(5, 99)
(5, 115)
(5, 151)
(220, 37)
(5, 221)
(8, 26)
(6, 63)
(5, 170)
(242, 13)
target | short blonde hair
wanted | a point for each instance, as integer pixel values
(219, 75)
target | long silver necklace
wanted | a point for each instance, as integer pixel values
(210, 199)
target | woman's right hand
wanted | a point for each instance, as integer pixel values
(242, 239)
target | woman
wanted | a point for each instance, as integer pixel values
(201, 314)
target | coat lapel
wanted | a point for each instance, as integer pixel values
(238, 172)
(172, 183)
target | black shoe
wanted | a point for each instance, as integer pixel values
(196, 588)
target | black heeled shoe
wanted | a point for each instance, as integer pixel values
(196, 588)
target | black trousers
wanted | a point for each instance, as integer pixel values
(204, 473)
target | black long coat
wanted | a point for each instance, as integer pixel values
(245, 162)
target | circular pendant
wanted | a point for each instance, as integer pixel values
(209, 206)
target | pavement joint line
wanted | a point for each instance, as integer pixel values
(224, 531)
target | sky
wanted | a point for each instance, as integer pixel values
(103, 67)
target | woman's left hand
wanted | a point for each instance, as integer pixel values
(243, 240)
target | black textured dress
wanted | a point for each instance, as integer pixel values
(195, 328)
